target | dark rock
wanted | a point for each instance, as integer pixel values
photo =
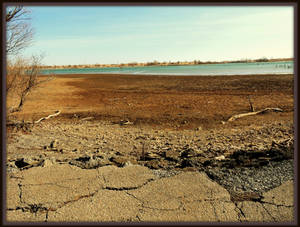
(87, 162)
(157, 164)
(54, 144)
(21, 163)
(190, 169)
(188, 152)
(119, 161)
(171, 155)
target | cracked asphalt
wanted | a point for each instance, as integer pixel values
(134, 193)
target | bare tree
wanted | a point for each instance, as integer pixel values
(22, 74)
(19, 33)
(21, 78)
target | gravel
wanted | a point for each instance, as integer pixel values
(160, 173)
(252, 179)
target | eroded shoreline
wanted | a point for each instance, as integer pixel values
(176, 135)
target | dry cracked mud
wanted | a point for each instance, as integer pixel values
(159, 175)
(62, 192)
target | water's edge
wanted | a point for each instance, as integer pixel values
(197, 70)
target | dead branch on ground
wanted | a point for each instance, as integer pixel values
(49, 116)
(237, 116)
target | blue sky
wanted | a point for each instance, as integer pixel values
(101, 35)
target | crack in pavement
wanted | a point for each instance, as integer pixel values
(153, 208)
(141, 201)
(20, 192)
(215, 212)
(239, 211)
(164, 209)
(277, 205)
(76, 199)
(46, 218)
(138, 217)
(274, 219)
(55, 184)
(127, 188)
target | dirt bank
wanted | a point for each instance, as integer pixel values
(178, 102)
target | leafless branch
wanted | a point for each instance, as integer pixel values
(21, 79)
(19, 33)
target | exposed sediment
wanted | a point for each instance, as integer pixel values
(161, 176)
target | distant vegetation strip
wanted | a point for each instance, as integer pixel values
(156, 63)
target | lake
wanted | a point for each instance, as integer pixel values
(284, 67)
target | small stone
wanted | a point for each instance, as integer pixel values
(128, 163)
(190, 169)
(54, 144)
(42, 156)
(171, 155)
(48, 162)
(219, 158)
(119, 161)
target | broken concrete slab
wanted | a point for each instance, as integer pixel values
(188, 186)
(129, 177)
(280, 213)
(254, 212)
(277, 205)
(12, 194)
(56, 173)
(55, 185)
(104, 206)
(185, 197)
(282, 195)
(160, 215)
(212, 211)
(134, 193)
(20, 216)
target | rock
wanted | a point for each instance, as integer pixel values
(150, 156)
(121, 161)
(75, 150)
(219, 158)
(188, 152)
(190, 169)
(157, 164)
(48, 162)
(128, 163)
(191, 162)
(153, 164)
(171, 155)
(54, 144)
(88, 162)
(20, 163)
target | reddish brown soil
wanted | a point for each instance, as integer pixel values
(168, 101)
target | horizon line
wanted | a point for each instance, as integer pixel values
(155, 62)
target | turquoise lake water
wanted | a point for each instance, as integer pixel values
(286, 67)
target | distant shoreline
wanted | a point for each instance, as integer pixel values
(140, 76)
(156, 63)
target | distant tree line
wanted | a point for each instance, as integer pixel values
(169, 63)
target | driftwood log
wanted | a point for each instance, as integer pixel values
(234, 117)
(49, 116)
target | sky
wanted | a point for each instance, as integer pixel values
(112, 35)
